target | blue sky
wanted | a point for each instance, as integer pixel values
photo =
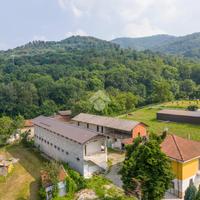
(26, 20)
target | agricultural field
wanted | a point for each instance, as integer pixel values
(148, 116)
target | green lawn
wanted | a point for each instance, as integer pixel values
(148, 116)
(23, 182)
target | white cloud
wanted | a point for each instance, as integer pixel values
(113, 18)
(78, 32)
(143, 28)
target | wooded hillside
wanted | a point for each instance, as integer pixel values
(42, 77)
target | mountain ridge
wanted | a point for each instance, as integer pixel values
(187, 46)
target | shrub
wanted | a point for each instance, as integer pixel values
(190, 193)
(192, 108)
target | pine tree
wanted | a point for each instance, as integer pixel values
(198, 194)
(190, 193)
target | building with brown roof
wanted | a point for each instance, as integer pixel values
(48, 185)
(185, 158)
(192, 117)
(63, 115)
(28, 127)
(84, 150)
(117, 130)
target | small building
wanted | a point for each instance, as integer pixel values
(185, 159)
(6, 167)
(84, 150)
(192, 117)
(28, 127)
(63, 115)
(115, 129)
(48, 185)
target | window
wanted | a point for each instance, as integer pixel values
(87, 125)
(78, 123)
(102, 129)
(55, 146)
(62, 150)
(78, 159)
(97, 128)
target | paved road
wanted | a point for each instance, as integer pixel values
(114, 176)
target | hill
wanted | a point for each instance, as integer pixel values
(43, 77)
(187, 46)
(144, 43)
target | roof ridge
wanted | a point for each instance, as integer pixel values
(173, 136)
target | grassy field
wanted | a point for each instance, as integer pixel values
(181, 104)
(148, 116)
(23, 182)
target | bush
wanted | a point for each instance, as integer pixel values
(78, 179)
(192, 108)
(42, 193)
(190, 192)
(71, 187)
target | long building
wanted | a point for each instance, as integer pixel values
(84, 150)
(116, 130)
(185, 159)
(192, 117)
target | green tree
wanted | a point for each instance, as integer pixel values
(198, 194)
(6, 129)
(161, 91)
(146, 171)
(190, 192)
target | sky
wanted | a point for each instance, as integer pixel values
(22, 21)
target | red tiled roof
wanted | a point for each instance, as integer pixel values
(46, 180)
(28, 123)
(128, 141)
(180, 149)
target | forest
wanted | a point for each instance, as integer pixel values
(44, 77)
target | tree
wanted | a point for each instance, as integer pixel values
(146, 169)
(161, 91)
(198, 194)
(6, 129)
(190, 192)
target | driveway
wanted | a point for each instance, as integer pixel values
(169, 196)
(114, 176)
(116, 159)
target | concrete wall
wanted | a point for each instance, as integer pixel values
(69, 150)
(92, 127)
(94, 147)
(65, 150)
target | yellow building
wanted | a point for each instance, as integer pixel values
(185, 158)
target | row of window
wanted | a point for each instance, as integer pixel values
(98, 127)
(53, 145)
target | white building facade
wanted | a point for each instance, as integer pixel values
(84, 150)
